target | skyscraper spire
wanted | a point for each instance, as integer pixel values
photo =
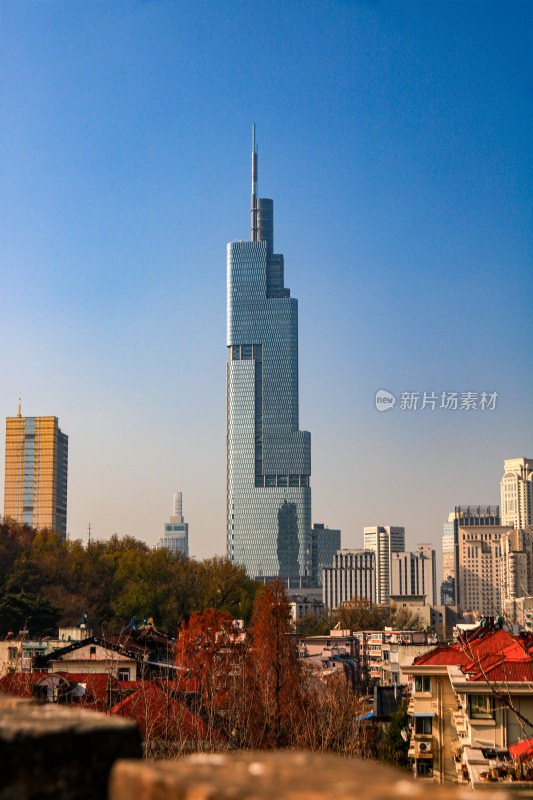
(254, 187)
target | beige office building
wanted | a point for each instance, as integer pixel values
(517, 492)
(35, 490)
(479, 568)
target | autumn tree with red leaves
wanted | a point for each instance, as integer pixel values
(210, 651)
(274, 682)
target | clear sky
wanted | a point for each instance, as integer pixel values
(396, 141)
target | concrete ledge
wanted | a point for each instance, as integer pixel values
(49, 751)
(267, 776)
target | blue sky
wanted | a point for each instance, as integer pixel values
(395, 139)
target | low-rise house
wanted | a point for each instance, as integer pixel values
(302, 606)
(470, 702)
(127, 656)
(329, 655)
(375, 651)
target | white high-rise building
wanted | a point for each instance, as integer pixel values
(415, 574)
(517, 492)
(176, 532)
(384, 540)
(352, 577)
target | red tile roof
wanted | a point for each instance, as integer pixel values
(491, 654)
(522, 750)
(159, 715)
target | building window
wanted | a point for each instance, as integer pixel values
(124, 674)
(423, 725)
(480, 706)
(422, 683)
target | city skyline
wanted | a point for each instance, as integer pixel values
(397, 138)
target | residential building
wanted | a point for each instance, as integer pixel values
(35, 491)
(516, 568)
(327, 656)
(176, 532)
(519, 613)
(384, 541)
(268, 456)
(131, 655)
(465, 517)
(352, 577)
(517, 492)
(375, 646)
(324, 544)
(439, 619)
(463, 706)
(415, 573)
(479, 569)
(302, 606)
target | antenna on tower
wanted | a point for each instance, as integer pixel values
(254, 186)
(89, 542)
(20, 397)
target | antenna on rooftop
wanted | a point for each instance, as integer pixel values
(254, 186)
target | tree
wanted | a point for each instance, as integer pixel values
(396, 746)
(274, 683)
(360, 615)
(22, 612)
(209, 653)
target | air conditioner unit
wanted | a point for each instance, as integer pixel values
(424, 748)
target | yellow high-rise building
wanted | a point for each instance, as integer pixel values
(35, 490)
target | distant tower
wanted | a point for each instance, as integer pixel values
(268, 456)
(517, 492)
(36, 472)
(176, 533)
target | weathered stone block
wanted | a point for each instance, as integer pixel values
(49, 751)
(267, 776)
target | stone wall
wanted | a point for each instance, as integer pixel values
(49, 751)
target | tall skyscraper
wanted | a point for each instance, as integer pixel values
(176, 532)
(384, 540)
(268, 458)
(35, 490)
(324, 544)
(461, 517)
(517, 492)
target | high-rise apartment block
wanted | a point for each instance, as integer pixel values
(268, 458)
(384, 540)
(516, 567)
(36, 473)
(479, 568)
(176, 532)
(324, 544)
(517, 493)
(352, 577)
(461, 517)
(415, 574)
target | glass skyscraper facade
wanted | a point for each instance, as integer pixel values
(268, 457)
